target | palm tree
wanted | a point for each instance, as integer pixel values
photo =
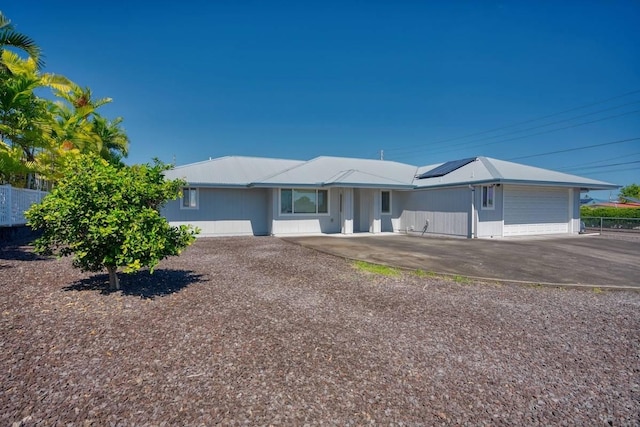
(25, 119)
(78, 125)
(115, 142)
(11, 38)
(37, 134)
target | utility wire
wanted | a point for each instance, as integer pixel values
(580, 165)
(609, 165)
(525, 122)
(460, 144)
(574, 149)
(533, 134)
(614, 170)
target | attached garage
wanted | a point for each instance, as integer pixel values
(530, 210)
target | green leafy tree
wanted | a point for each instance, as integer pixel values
(108, 217)
(632, 190)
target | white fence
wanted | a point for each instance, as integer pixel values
(13, 203)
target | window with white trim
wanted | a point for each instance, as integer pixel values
(488, 196)
(189, 199)
(298, 201)
(385, 202)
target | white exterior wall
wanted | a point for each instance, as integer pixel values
(389, 222)
(368, 216)
(396, 212)
(489, 221)
(376, 221)
(362, 212)
(288, 224)
(448, 211)
(574, 212)
(224, 212)
(346, 214)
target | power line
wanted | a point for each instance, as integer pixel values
(535, 134)
(574, 149)
(581, 165)
(539, 126)
(614, 171)
(524, 122)
(606, 166)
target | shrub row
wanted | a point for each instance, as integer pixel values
(613, 218)
(609, 212)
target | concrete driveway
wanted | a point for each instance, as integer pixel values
(581, 260)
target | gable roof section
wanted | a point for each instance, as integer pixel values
(230, 171)
(238, 171)
(344, 172)
(488, 170)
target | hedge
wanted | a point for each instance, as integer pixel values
(609, 212)
(611, 217)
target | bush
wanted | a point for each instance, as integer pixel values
(609, 212)
(108, 217)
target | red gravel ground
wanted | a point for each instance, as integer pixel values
(258, 331)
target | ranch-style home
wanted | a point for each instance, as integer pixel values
(477, 197)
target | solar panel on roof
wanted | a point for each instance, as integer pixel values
(446, 168)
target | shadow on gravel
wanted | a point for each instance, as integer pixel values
(21, 253)
(140, 284)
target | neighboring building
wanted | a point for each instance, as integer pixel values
(474, 197)
(621, 205)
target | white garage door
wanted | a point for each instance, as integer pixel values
(535, 210)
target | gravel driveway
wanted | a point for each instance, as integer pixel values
(259, 331)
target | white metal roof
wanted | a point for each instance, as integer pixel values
(489, 170)
(343, 171)
(238, 171)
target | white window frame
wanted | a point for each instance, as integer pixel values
(293, 190)
(484, 197)
(196, 198)
(382, 211)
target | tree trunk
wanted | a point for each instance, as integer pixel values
(114, 282)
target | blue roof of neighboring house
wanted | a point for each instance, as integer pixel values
(238, 171)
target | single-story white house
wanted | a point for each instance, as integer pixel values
(477, 197)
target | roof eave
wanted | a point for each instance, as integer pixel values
(582, 185)
(369, 185)
(217, 185)
(568, 184)
(284, 185)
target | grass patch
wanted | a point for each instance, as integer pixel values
(376, 268)
(597, 290)
(421, 273)
(462, 280)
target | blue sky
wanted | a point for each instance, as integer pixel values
(426, 82)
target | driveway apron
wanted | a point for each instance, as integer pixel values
(571, 260)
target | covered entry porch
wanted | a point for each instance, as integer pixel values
(365, 210)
